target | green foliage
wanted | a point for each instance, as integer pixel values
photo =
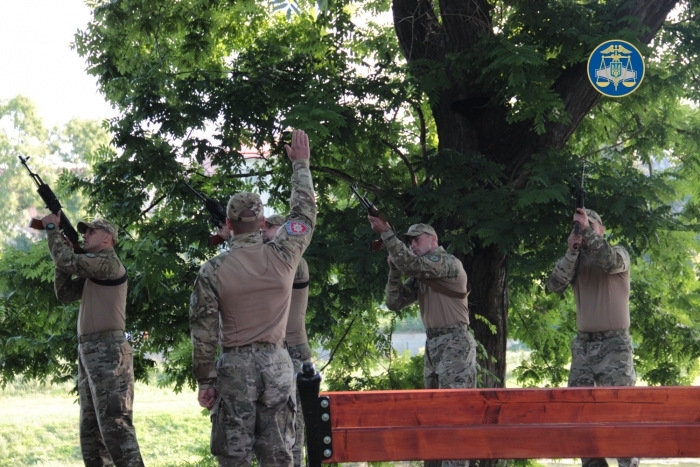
(202, 85)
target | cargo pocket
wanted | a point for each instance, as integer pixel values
(220, 413)
(289, 432)
(119, 403)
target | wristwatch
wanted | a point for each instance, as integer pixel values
(50, 226)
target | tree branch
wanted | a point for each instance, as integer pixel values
(251, 174)
(335, 349)
(417, 29)
(153, 204)
(423, 132)
(414, 180)
(347, 178)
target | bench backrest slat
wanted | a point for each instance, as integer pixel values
(515, 423)
(514, 406)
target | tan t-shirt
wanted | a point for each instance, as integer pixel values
(437, 310)
(296, 325)
(602, 299)
(102, 307)
(255, 301)
(599, 275)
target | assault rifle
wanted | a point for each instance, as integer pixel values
(54, 206)
(372, 210)
(580, 197)
(217, 214)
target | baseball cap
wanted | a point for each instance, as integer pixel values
(593, 216)
(275, 219)
(99, 224)
(417, 229)
(244, 207)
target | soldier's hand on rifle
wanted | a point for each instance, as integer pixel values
(582, 218)
(300, 146)
(51, 219)
(574, 241)
(207, 397)
(224, 233)
(378, 225)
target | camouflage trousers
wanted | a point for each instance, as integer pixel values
(106, 389)
(449, 363)
(255, 407)
(299, 354)
(603, 359)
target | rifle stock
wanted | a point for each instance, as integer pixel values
(216, 240)
(36, 224)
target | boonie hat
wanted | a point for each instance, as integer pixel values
(275, 219)
(417, 229)
(244, 207)
(99, 224)
(593, 216)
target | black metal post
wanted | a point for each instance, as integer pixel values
(316, 412)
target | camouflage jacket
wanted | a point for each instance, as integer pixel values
(436, 264)
(612, 259)
(287, 245)
(103, 265)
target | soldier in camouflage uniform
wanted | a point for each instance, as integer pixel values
(438, 282)
(105, 366)
(241, 302)
(599, 274)
(295, 337)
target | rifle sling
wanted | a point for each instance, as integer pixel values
(110, 282)
(300, 285)
(441, 289)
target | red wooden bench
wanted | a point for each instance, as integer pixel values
(500, 423)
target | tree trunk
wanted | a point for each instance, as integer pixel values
(487, 274)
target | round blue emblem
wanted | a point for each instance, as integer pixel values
(616, 68)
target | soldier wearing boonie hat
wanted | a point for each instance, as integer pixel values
(240, 302)
(599, 274)
(438, 282)
(295, 335)
(105, 365)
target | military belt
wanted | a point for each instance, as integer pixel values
(99, 335)
(254, 346)
(601, 336)
(435, 332)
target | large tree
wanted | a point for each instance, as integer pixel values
(470, 115)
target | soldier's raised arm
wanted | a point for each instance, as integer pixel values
(613, 259)
(89, 265)
(295, 235)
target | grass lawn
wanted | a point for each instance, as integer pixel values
(39, 427)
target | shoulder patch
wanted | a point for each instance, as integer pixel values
(296, 228)
(91, 255)
(434, 258)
